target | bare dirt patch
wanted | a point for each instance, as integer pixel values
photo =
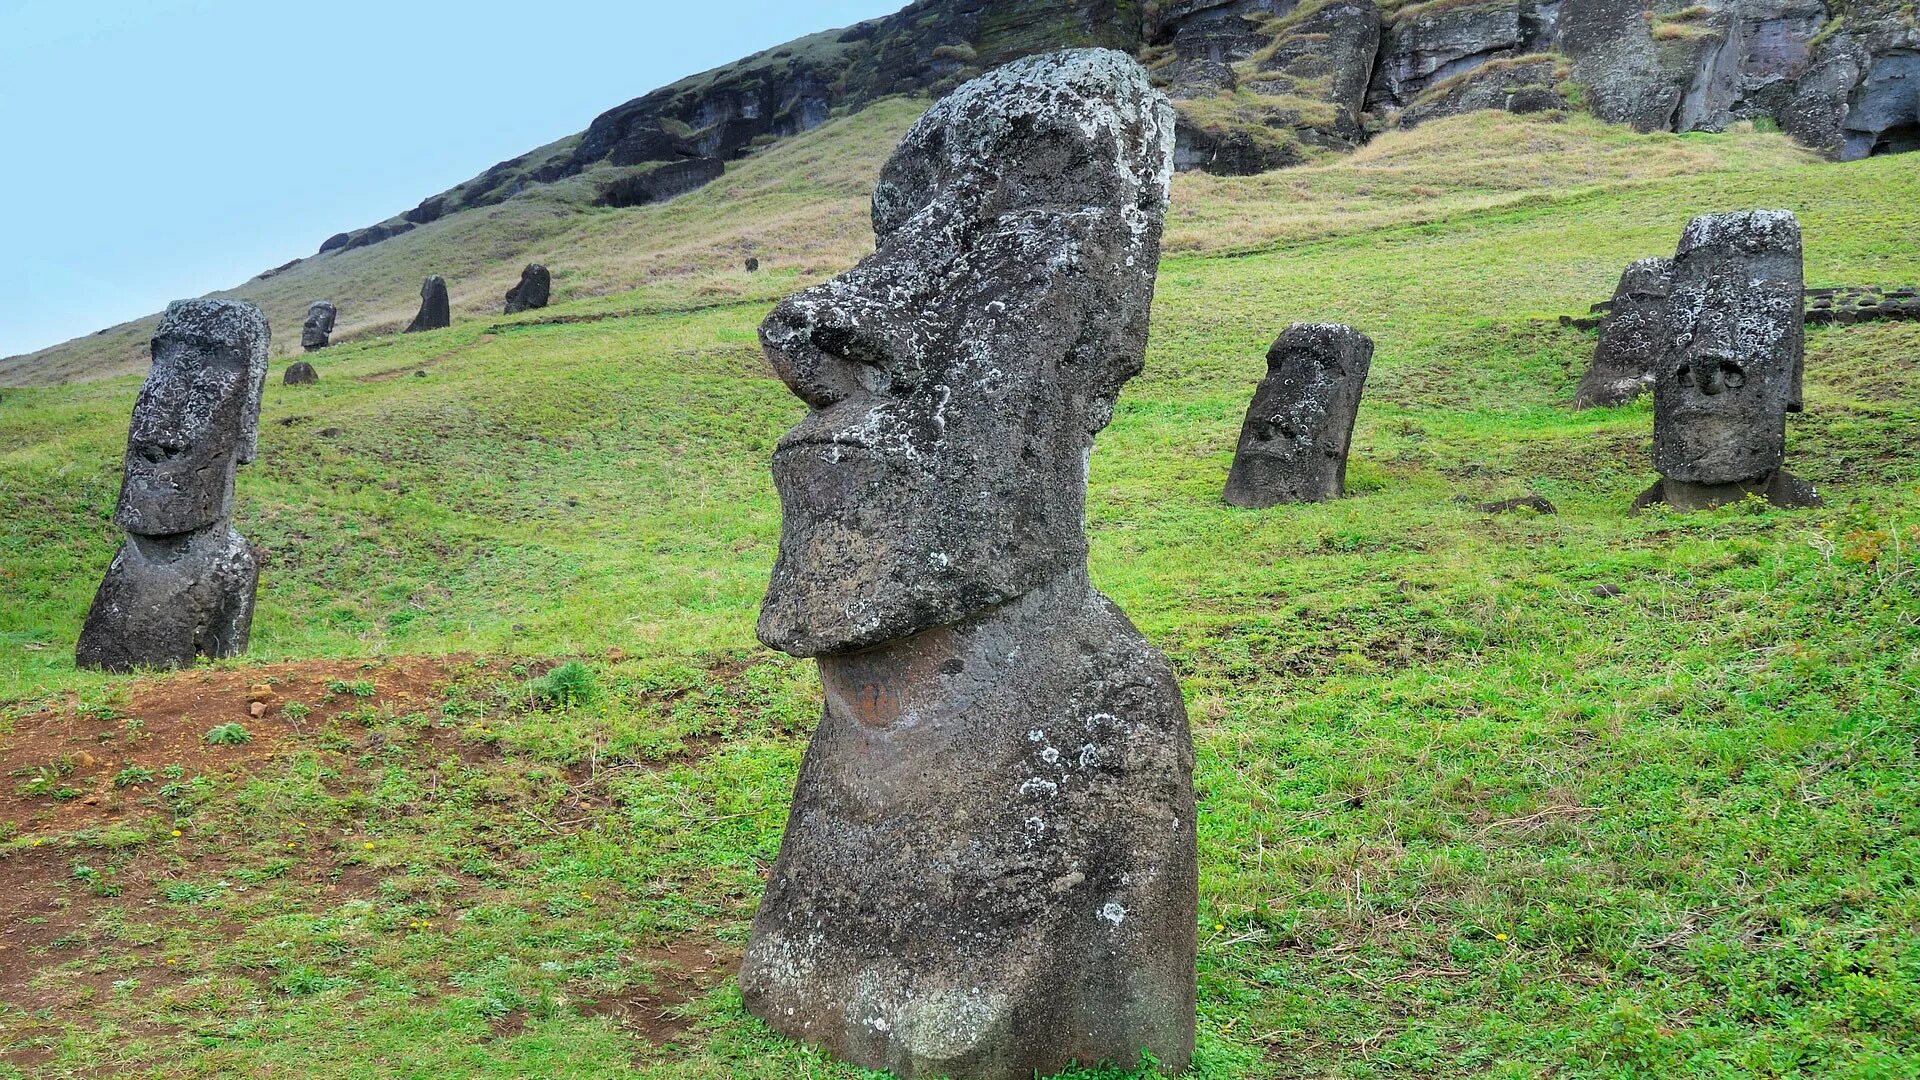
(678, 972)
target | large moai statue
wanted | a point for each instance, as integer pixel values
(183, 581)
(435, 312)
(1633, 338)
(989, 866)
(1293, 445)
(317, 331)
(1733, 364)
(534, 290)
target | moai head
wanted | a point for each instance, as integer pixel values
(320, 317)
(1294, 443)
(1731, 372)
(956, 377)
(196, 419)
(1636, 327)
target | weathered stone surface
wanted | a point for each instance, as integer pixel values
(1293, 446)
(300, 374)
(182, 584)
(534, 290)
(317, 331)
(1520, 86)
(436, 313)
(1733, 364)
(1885, 114)
(1633, 338)
(753, 265)
(662, 183)
(989, 868)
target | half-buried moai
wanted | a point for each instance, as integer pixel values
(435, 312)
(989, 867)
(534, 290)
(1732, 367)
(1293, 446)
(300, 373)
(317, 331)
(1633, 338)
(182, 584)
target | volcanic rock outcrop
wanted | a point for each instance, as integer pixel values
(182, 584)
(534, 290)
(1633, 337)
(317, 332)
(436, 313)
(1293, 446)
(1733, 365)
(989, 867)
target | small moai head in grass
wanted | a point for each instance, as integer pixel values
(317, 331)
(1732, 368)
(197, 417)
(957, 376)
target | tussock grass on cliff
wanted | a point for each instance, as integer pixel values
(1460, 815)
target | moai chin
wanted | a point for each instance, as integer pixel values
(1294, 443)
(534, 290)
(1732, 368)
(1633, 338)
(435, 312)
(317, 331)
(182, 584)
(989, 866)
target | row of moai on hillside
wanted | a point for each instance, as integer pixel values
(534, 290)
(989, 870)
(1718, 333)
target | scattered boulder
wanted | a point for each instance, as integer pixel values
(1608, 592)
(989, 869)
(1293, 445)
(335, 242)
(1732, 368)
(535, 288)
(436, 312)
(317, 332)
(300, 373)
(182, 584)
(1633, 336)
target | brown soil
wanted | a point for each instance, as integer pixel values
(678, 973)
(176, 712)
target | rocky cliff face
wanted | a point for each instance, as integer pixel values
(1265, 83)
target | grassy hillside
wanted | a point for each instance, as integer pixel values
(1460, 815)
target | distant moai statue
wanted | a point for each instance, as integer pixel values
(1294, 443)
(1732, 368)
(300, 373)
(753, 265)
(989, 868)
(182, 584)
(1633, 338)
(534, 290)
(317, 332)
(435, 311)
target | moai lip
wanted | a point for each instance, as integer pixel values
(182, 584)
(989, 868)
(1633, 337)
(1732, 368)
(1299, 428)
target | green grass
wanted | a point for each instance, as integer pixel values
(1459, 815)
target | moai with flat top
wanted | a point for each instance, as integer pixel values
(534, 290)
(1293, 446)
(989, 866)
(1733, 364)
(182, 584)
(435, 311)
(1633, 337)
(317, 331)
(300, 373)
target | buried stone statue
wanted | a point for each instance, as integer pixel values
(182, 584)
(1732, 368)
(317, 332)
(435, 311)
(1632, 338)
(989, 866)
(1293, 446)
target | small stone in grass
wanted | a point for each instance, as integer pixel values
(1608, 592)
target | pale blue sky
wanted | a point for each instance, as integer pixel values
(157, 149)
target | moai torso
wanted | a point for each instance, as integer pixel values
(1294, 443)
(436, 313)
(989, 868)
(182, 585)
